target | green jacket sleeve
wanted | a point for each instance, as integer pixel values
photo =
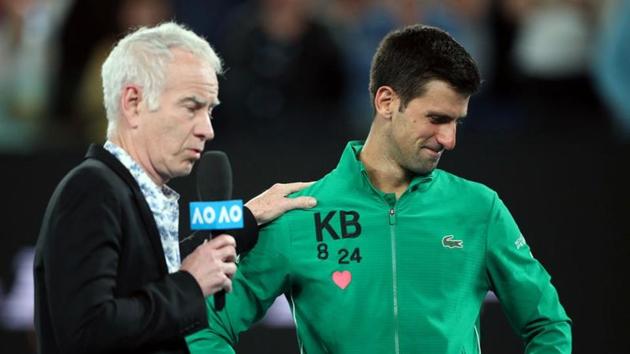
(262, 276)
(524, 287)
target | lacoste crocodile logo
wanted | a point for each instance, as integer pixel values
(448, 242)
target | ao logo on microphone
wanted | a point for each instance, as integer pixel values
(221, 215)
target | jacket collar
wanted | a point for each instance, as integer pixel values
(97, 152)
(351, 166)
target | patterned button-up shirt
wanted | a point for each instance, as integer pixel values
(163, 203)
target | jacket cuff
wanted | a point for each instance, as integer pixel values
(193, 316)
(247, 237)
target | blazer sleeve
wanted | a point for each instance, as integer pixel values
(524, 287)
(85, 237)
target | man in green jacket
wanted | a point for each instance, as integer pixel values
(398, 256)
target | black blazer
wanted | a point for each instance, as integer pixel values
(101, 282)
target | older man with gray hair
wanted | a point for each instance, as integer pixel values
(108, 273)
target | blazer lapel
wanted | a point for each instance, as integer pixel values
(99, 153)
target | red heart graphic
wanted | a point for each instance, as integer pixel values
(342, 279)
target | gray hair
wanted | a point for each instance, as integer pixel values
(141, 58)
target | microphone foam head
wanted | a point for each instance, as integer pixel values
(214, 176)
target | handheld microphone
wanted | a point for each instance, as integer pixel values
(214, 183)
(216, 213)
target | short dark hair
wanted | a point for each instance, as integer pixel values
(408, 58)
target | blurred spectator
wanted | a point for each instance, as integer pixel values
(554, 37)
(285, 74)
(552, 53)
(612, 69)
(91, 30)
(130, 14)
(207, 18)
(406, 12)
(358, 26)
(26, 28)
(467, 22)
(88, 22)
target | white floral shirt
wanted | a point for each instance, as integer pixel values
(163, 202)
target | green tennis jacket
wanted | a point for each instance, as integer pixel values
(365, 272)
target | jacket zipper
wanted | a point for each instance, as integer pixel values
(392, 233)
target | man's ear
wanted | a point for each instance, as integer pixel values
(130, 102)
(386, 101)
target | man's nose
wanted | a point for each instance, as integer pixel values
(447, 135)
(205, 129)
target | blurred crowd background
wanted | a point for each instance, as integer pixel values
(293, 65)
(550, 130)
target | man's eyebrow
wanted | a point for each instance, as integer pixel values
(193, 99)
(444, 117)
(198, 102)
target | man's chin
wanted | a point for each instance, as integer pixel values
(425, 168)
(185, 170)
